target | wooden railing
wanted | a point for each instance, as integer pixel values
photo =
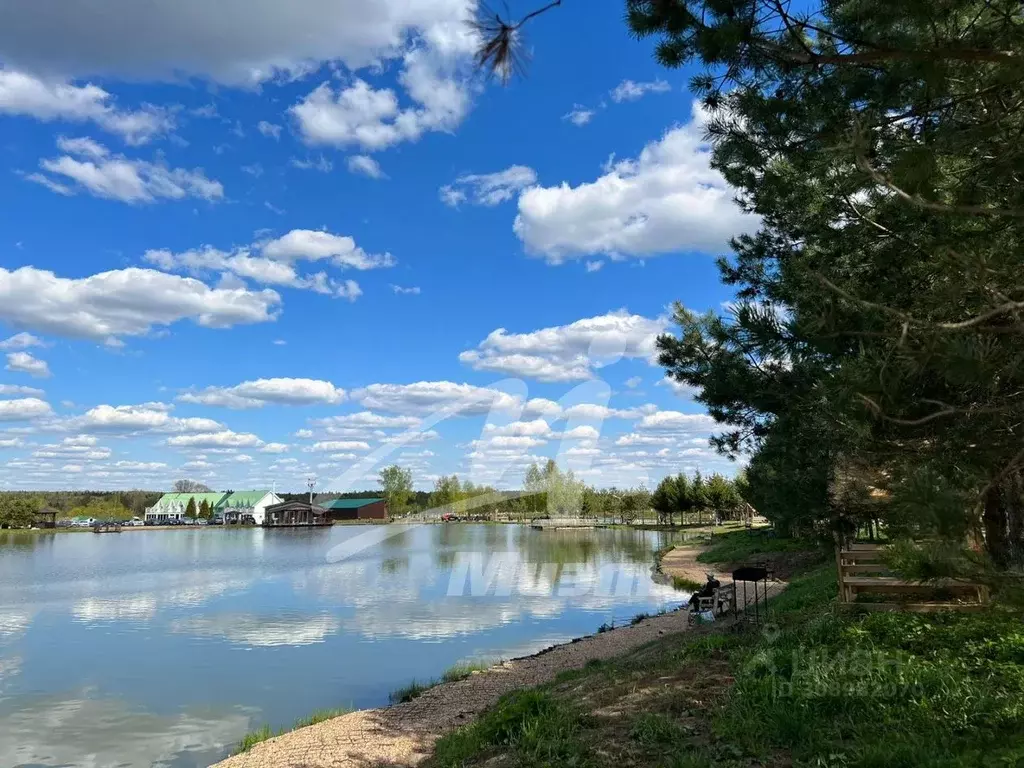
(862, 571)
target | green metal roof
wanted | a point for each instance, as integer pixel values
(243, 498)
(211, 498)
(348, 503)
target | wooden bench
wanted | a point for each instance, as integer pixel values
(862, 570)
(721, 603)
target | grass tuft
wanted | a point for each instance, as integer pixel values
(265, 732)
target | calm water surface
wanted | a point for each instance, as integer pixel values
(165, 647)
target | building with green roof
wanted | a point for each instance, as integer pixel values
(238, 505)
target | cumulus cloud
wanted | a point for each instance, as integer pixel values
(425, 397)
(270, 130)
(90, 167)
(567, 352)
(366, 166)
(55, 99)
(17, 389)
(579, 115)
(340, 445)
(124, 302)
(316, 245)
(488, 188)
(240, 264)
(223, 439)
(260, 392)
(630, 90)
(23, 362)
(21, 341)
(24, 409)
(667, 199)
(235, 42)
(374, 119)
(675, 421)
(143, 417)
(368, 420)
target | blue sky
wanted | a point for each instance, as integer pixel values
(253, 244)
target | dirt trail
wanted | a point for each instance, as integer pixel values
(404, 734)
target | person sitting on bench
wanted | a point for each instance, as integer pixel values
(708, 590)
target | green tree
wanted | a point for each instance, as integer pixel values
(18, 510)
(722, 497)
(397, 485)
(447, 491)
(664, 499)
(205, 512)
(190, 508)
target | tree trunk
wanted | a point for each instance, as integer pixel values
(994, 520)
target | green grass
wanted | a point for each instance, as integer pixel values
(265, 732)
(819, 687)
(685, 585)
(411, 691)
(464, 669)
(740, 545)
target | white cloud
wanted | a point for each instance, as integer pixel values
(314, 245)
(434, 77)
(255, 170)
(17, 389)
(365, 165)
(426, 397)
(340, 445)
(239, 264)
(534, 428)
(139, 466)
(11, 442)
(274, 448)
(260, 392)
(633, 382)
(21, 341)
(667, 199)
(124, 302)
(53, 99)
(595, 412)
(235, 42)
(369, 420)
(23, 362)
(489, 188)
(582, 432)
(579, 115)
(629, 90)
(410, 291)
(634, 438)
(677, 422)
(542, 407)
(24, 409)
(91, 167)
(144, 417)
(594, 266)
(321, 164)
(270, 130)
(223, 439)
(567, 352)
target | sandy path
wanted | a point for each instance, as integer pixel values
(682, 563)
(403, 735)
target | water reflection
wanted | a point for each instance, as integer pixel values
(184, 639)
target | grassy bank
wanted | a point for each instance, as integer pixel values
(818, 687)
(452, 675)
(265, 732)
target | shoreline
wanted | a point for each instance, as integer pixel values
(404, 734)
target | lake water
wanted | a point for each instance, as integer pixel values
(166, 647)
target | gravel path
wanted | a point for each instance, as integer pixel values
(403, 735)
